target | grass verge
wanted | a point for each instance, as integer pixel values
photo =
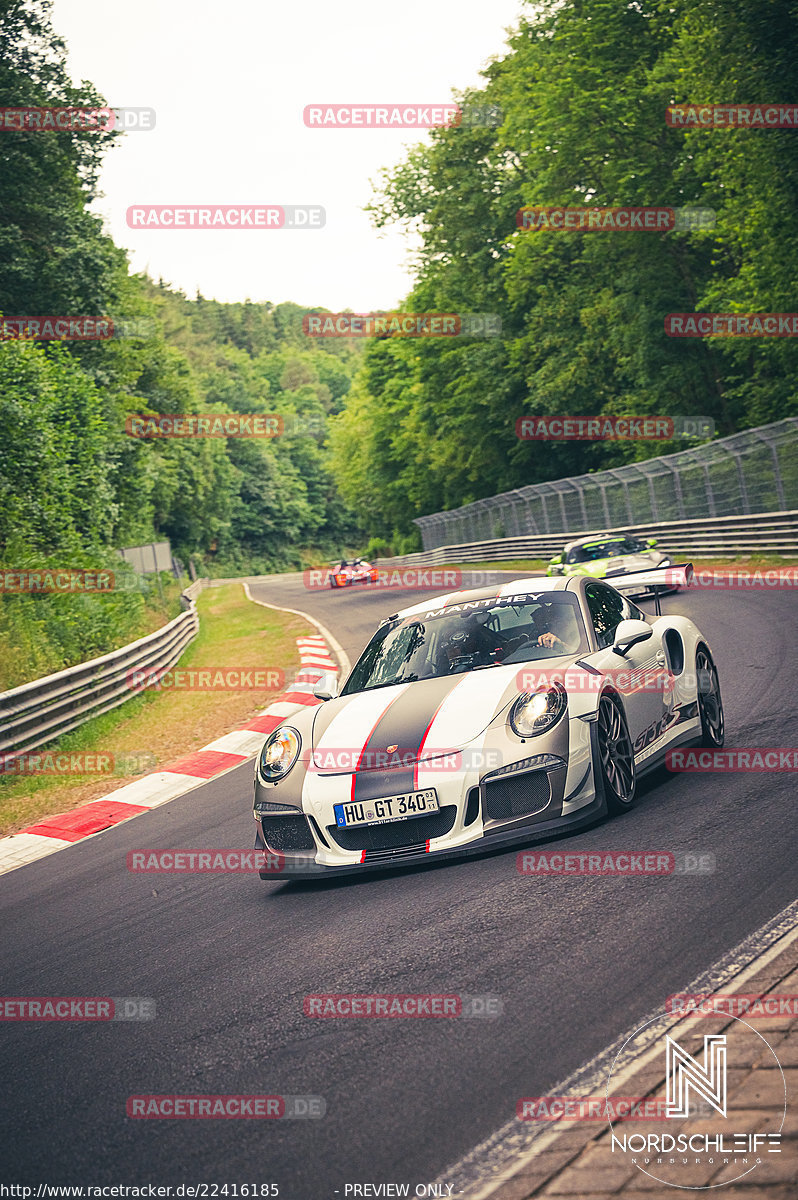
(154, 728)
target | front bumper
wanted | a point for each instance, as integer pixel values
(287, 867)
(479, 810)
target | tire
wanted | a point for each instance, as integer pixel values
(710, 704)
(616, 763)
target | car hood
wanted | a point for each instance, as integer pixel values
(418, 720)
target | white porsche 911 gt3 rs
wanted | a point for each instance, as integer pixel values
(482, 718)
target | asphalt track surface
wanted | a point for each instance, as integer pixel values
(228, 959)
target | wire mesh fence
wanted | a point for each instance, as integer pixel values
(750, 472)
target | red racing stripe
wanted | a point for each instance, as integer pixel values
(426, 732)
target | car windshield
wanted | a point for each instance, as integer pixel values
(597, 550)
(469, 636)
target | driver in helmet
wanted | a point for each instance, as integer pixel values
(474, 639)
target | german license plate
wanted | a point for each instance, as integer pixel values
(390, 808)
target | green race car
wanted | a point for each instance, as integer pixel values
(610, 556)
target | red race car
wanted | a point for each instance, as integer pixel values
(349, 571)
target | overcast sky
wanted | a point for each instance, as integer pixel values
(229, 83)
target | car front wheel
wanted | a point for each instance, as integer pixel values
(710, 705)
(616, 756)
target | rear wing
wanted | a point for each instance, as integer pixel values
(654, 579)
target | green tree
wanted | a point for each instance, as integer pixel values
(583, 92)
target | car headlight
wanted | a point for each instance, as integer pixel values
(536, 712)
(279, 753)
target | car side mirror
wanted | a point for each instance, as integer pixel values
(556, 560)
(629, 633)
(327, 687)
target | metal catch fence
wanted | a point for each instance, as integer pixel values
(755, 471)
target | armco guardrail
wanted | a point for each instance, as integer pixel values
(761, 533)
(37, 713)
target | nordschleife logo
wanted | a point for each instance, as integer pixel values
(719, 1106)
(707, 1080)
